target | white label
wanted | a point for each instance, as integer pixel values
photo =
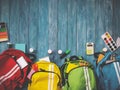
(45, 59)
(89, 48)
(22, 62)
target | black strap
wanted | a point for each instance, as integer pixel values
(62, 73)
(72, 58)
(96, 55)
(32, 56)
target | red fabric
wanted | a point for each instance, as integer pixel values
(11, 75)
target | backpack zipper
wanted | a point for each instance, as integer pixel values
(42, 70)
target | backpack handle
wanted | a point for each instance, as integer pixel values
(72, 58)
(96, 54)
(31, 56)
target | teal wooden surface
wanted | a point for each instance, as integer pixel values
(43, 30)
(60, 24)
(33, 24)
(62, 27)
(53, 24)
(99, 24)
(115, 21)
(53, 30)
(81, 27)
(23, 21)
(108, 5)
(4, 18)
(13, 28)
(72, 32)
(90, 25)
(0, 10)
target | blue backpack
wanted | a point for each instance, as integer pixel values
(108, 72)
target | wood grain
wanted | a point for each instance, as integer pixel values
(60, 24)
(4, 18)
(62, 27)
(42, 43)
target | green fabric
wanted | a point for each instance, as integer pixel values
(77, 81)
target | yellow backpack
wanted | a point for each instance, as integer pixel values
(46, 76)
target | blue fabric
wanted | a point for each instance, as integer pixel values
(106, 74)
(107, 55)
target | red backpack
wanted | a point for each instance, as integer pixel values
(14, 67)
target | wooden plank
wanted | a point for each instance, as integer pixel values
(90, 25)
(90, 20)
(0, 9)
(43, 29)
(60, 24)
(62, 27)
(116, 21)
(72, 32)
(103, 21)
(4, 18)
(23, 21)
(53, 31)
(108, 7)
(14, 21)
(33, 24)
(100, 24)
(81, 27)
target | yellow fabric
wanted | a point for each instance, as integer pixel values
(74, 65)
(71, 66)
(100, 57)
(45, 80)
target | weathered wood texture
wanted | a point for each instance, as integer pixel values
(60, 24)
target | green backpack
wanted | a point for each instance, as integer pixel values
(78, 74)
